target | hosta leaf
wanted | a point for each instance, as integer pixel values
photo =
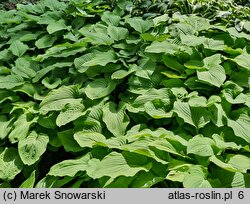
(145, 180)
(165, 145)
(141, 146)
(200, 146)
(51, 83)
(220, 163)
(68, 141)
(99, 88)
(54, 4)
(139, 24)
(160, 19)
(10, 81)
(192, 40)
(173, 75)
(173, 63)
(110, 18)
(48, 121)
(214, 44)
(233, 93)
(4, 126)
(163, 94)
(70, 113)
(58, 98)
(218, 115)
(101, 58)
(222, 145)
(240, 162)
(70, 167)
(243, 60)
(10, 163)
(229, 95)
(196, 177)
(115, 118)
(93, 59)
(56, 26)
(232, 179)
(47, 69)
(120, 74)
(97, 38)
(20, 128)
(194, 64)
(156, 109)
(53, 182)
(117, 33)
(45, 41)
(62, 50)
(196, 116)
(178, 173)
(32, 147)
(18, 48)
(25, 68)
(29, 182)
(162, 47)
(118, 164)
(241, 127)
(88, 124)
(89, 139)
(197, 101)
(214, 74)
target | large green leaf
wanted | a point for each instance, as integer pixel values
(56, 26)
(29, 182)
(139, 24)
(70, 167)
(118, 164)
(214, 74)
(217, 160)
(233, 93)
(89, 139)
(10, 81)
(240, 162)
(18, 48)
(4, 126)
(243, 60)
(40, 74)
(25, 68)
(200, 146)
(20, 128)
(230, 179)
(196, 177)
(68, 141)
(172, 63)
(58, 98)
(62, 50)
(70, 113)
(162, 47)
(241, 127)
(99, 88)
(45, 41)
(101, 58)
(10, 163)
(115, 118)
(196, 116)
(110, 18)
(32, 147)
(117, 33)
(99, 37)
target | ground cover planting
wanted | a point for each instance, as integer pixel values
(132, 94)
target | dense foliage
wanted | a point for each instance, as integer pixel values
(113, 94)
